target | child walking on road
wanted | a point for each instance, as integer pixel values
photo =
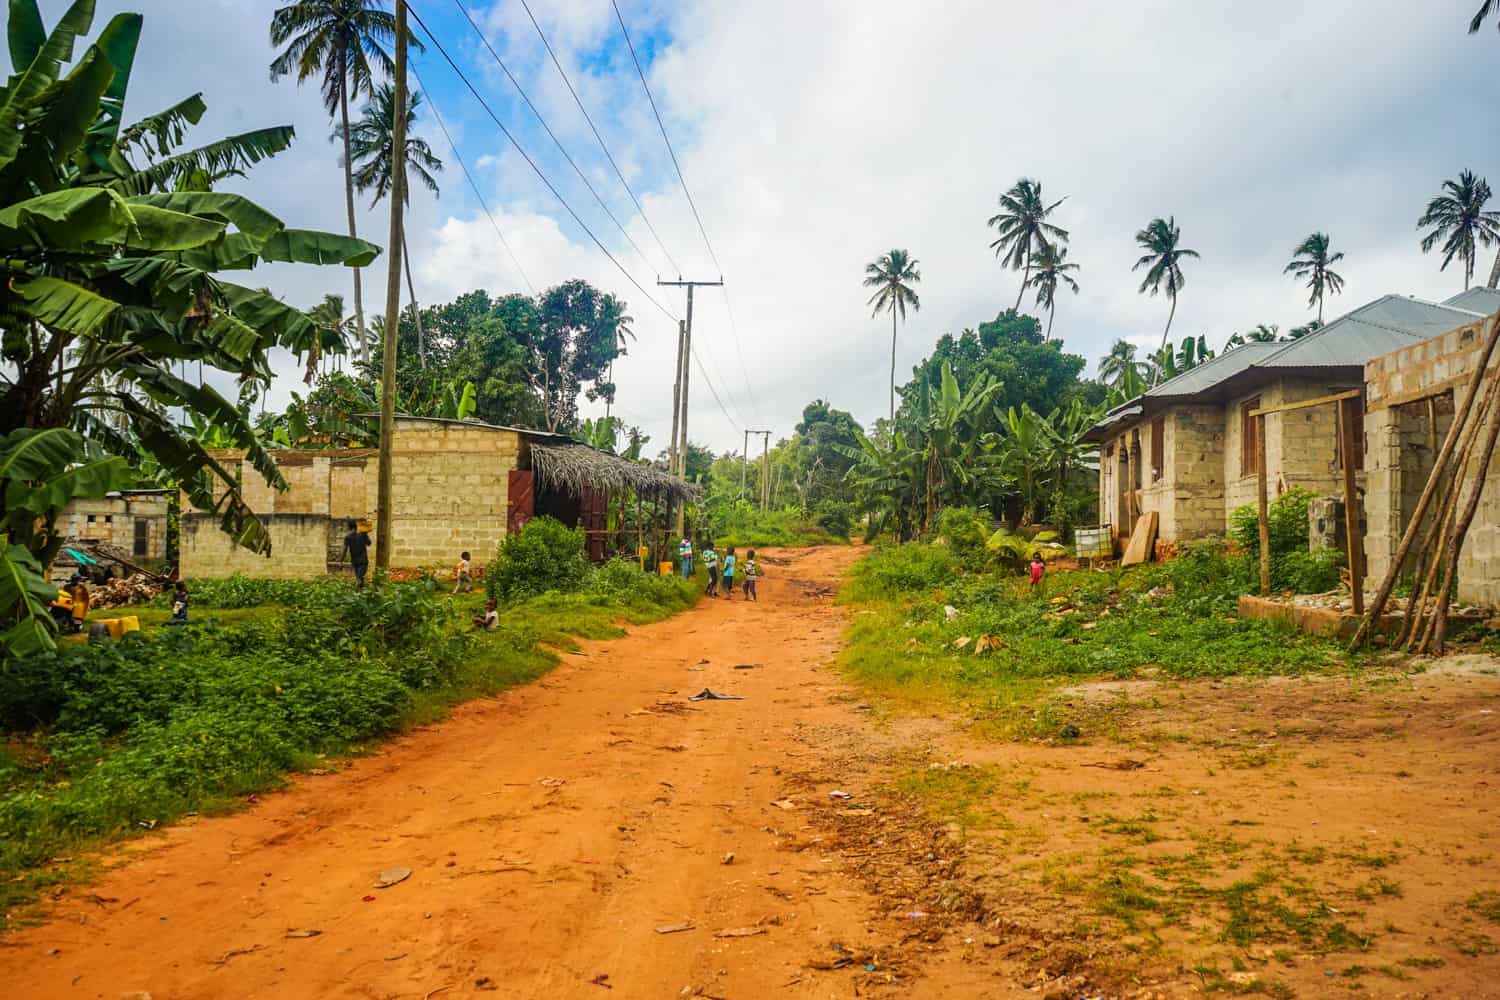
(729, 561)
(711, 563)
(752, 573)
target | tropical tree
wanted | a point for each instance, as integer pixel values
(571, 340)
(344, 43)
(1024, 456)
(1459, 220)
(1052, 269)
(1163, 263)
(328, 317)
(1312, 261)
(1261, 333)
(892, 275)
(1022, 228)
(115, 258)
(372, 143)
(1120, 360)
(623, 335)
(1298, 332)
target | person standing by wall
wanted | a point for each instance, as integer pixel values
(685, 553)
(357, 547)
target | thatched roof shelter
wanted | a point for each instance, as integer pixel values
(571, 467)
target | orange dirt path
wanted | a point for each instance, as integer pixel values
(550, 832)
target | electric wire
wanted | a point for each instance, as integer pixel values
(536, 169)
(548, 129)
(607, 154)
(474, 186)
(661, 125)
(734, 331)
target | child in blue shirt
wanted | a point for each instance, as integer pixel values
(729, 562)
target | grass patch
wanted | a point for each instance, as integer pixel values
(954, 794)
(110, 739)
(1486, 904)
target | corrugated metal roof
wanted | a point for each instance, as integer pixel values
(1387, 324)
(1215, 370)
(1482, 300)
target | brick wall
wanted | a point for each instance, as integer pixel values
(299, 548)
(113, 519)
(1301, 445)
(1195, 449)
(449, 491)
(1403, 434)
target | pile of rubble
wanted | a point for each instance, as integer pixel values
(137, 589)
(1339, 600)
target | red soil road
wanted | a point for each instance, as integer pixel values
(550, 831)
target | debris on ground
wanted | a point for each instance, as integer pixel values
(950, 612)
(784, 804)
(748, 666)
(1070, 732)
(708, 694)
(392, 876)
(739, 932)
(136, 589)
(674, 928)
(602, 979)
(1123, 764)
(836, 794)
(727, 859)
(303, 932)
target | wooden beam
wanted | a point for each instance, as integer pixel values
(1352, 538)
(1304, 404)
(1261, 506)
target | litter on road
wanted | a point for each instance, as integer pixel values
(708, 694)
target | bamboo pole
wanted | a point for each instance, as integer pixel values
(1461, 528)
(1460, 415)
(1261, 505)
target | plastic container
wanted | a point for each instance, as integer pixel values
(665, 569)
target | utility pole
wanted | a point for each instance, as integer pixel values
(765, 472)
(384, 506)
(744, 464)
(676, 400)
(684, 355)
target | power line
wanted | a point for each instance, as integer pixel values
(660, 124)
(735, 334)
(548, 129)
(734, 331)
(607, 155)
(536, 169)
(712, 391)
(470, 178)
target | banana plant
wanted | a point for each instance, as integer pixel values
(115, 261)
(40, 471)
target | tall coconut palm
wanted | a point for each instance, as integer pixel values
(1052, 269)
(1262, 333)
(1487, 8)
(1311, 260)
(892, 275)
(1119, 360)
(372, 142)
(1164, 269)
(344, 43)
(328, 317)
(1458, 218)
(1022, 228)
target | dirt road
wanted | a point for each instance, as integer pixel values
(558, 837)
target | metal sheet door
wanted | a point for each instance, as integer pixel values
(522, 496)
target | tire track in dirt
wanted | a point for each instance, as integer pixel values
(551, 832)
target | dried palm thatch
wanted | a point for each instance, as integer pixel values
(573, 468)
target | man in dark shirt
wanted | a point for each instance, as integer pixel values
(357, 545)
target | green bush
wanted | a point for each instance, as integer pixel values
(910, 570)
(964, 530)
(1293, 567)
(745, 526)
(834, 517)
(239, 591)
(544, 555)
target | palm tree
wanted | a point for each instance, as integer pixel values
(1263, 333)
(1119, 360)
(328, 316)
(1022, 227)
(623, 333)
(371, 142)
(1487, 8)
(1459, 219)
(343, 41)
(892, 275)
(1052, 269)
(1164, 269)
(1311, 260)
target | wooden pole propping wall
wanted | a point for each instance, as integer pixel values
(1261, 505)
(1353, 538)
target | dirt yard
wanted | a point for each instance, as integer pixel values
(599, 835)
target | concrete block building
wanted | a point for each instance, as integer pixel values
(457, 485)
(1410, 399)
(132, 523)
(1187, 450)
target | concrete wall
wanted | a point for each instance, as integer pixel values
(450, 485)
(1301, 445)
(1403, 435)
(1186, 489)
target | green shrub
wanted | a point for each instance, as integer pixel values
(1009, 552)
(834, 517)
(964, 530)
(909, 570)
(544, 555)
(239, 591)
(1307, 572)
(1293, 567)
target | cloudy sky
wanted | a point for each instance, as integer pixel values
(816, 134)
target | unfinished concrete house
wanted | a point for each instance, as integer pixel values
(457, 485)
(132, 523)
(1410, 399)
(1187, 450)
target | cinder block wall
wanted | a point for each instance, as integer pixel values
(1301, 445)
(450, 485)
(1195, 469)
(1397, 386)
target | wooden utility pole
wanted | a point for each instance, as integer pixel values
(1261, 489)
(744, 464)
(1353, 539)
(684, 356)
(676, 400)
(765, 474)
(384, 505)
